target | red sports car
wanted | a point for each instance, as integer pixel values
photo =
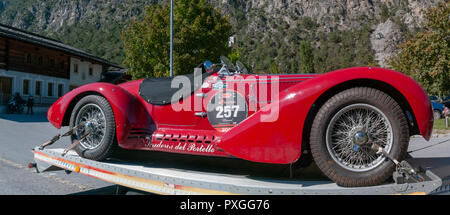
(224, 110)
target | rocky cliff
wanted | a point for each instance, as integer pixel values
(284, 23)
(53, 15)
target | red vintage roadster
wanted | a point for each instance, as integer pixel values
(224, 110)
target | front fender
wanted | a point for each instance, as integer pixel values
(128, 111)
(280, 141)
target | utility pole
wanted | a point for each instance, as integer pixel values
(171, 38)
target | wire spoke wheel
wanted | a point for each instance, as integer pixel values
(95, 122)
(98, 117)
(344, 130)
(358, 121)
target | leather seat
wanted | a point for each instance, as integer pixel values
(158, 91)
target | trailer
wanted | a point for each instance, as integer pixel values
(159, 179)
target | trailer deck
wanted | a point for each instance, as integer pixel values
(160, 179)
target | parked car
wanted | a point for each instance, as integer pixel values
(336, 117)
(435, 99)
(438, 109)
(446, 101)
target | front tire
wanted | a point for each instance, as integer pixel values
(101, 142)
(343, 130)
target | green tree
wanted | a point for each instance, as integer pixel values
(294, 67)
(306, 57)
(385, 14)
(274, 68)
(425, 57)
(200, 33)
(234, 55)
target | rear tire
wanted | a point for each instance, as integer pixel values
(334, 142)
(101, 143)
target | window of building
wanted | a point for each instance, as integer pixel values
(75, 68)
(60, 90)
(40, 60)
(46, 60)
(91, 71)
(52, 62)
(5, 89)
(50, 89)
(38, 88)
(26, 87)
(28, 58)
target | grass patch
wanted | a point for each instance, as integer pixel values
(440, 125)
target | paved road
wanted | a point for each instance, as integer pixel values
(20, 133)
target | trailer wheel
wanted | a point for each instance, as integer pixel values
(101, 142)
(343, 130)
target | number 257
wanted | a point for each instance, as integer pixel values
(227, 111)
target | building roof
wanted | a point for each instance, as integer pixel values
(18, 34)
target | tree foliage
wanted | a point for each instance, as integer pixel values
(332, 50)
(234, 55)
(425, 57)
(101, 42)
(306, 57)
(200, 33)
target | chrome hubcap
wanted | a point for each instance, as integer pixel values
(360, 138)
(95, 123)
(350, 133)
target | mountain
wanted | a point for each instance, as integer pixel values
(342, 33)
(93, 26)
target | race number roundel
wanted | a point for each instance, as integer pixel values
(226, 110)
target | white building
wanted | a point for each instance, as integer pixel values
(33, 65)
(84, 72)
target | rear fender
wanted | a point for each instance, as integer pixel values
(280, 141)
(128, 110)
